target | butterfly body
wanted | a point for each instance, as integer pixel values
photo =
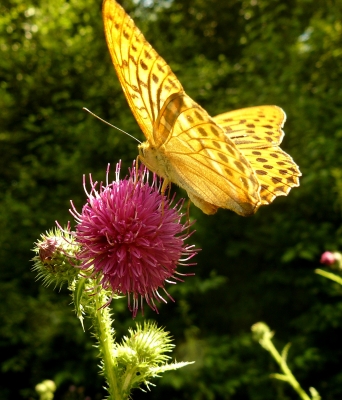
(158, 161)
(229, 161)
(180, 148)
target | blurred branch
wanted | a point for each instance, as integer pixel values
(329, 275)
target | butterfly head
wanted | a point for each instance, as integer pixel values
(154, 159)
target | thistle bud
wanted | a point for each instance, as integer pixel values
(55, 259)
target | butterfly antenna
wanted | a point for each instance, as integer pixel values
(113, 126)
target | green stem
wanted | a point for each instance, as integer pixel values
(127, 380)
(288, 374)
(329, 275)
(106, 346)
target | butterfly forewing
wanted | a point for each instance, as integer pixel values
(259, 126)
(146, 79)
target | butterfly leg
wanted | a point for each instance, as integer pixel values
(188, 214)
(137, 165)
(166, 184)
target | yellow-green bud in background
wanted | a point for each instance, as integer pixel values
(46, 389)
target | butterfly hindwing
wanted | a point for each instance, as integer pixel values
(257, 132)
(204, 161)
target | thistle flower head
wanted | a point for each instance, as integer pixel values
(131, 238)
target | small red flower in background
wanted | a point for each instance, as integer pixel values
(333, 259)
(131, 237)
(327, 258)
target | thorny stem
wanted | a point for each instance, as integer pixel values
(106, 346)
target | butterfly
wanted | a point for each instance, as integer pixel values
(230, 161)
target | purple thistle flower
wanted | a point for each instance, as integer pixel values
(131, 237)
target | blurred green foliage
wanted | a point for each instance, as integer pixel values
(228, 54)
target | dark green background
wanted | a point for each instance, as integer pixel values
(228, 54)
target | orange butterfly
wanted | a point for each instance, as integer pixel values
(230, 161)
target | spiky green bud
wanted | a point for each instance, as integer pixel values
(55, 259)
(141, 355)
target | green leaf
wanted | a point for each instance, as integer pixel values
(80, 286)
